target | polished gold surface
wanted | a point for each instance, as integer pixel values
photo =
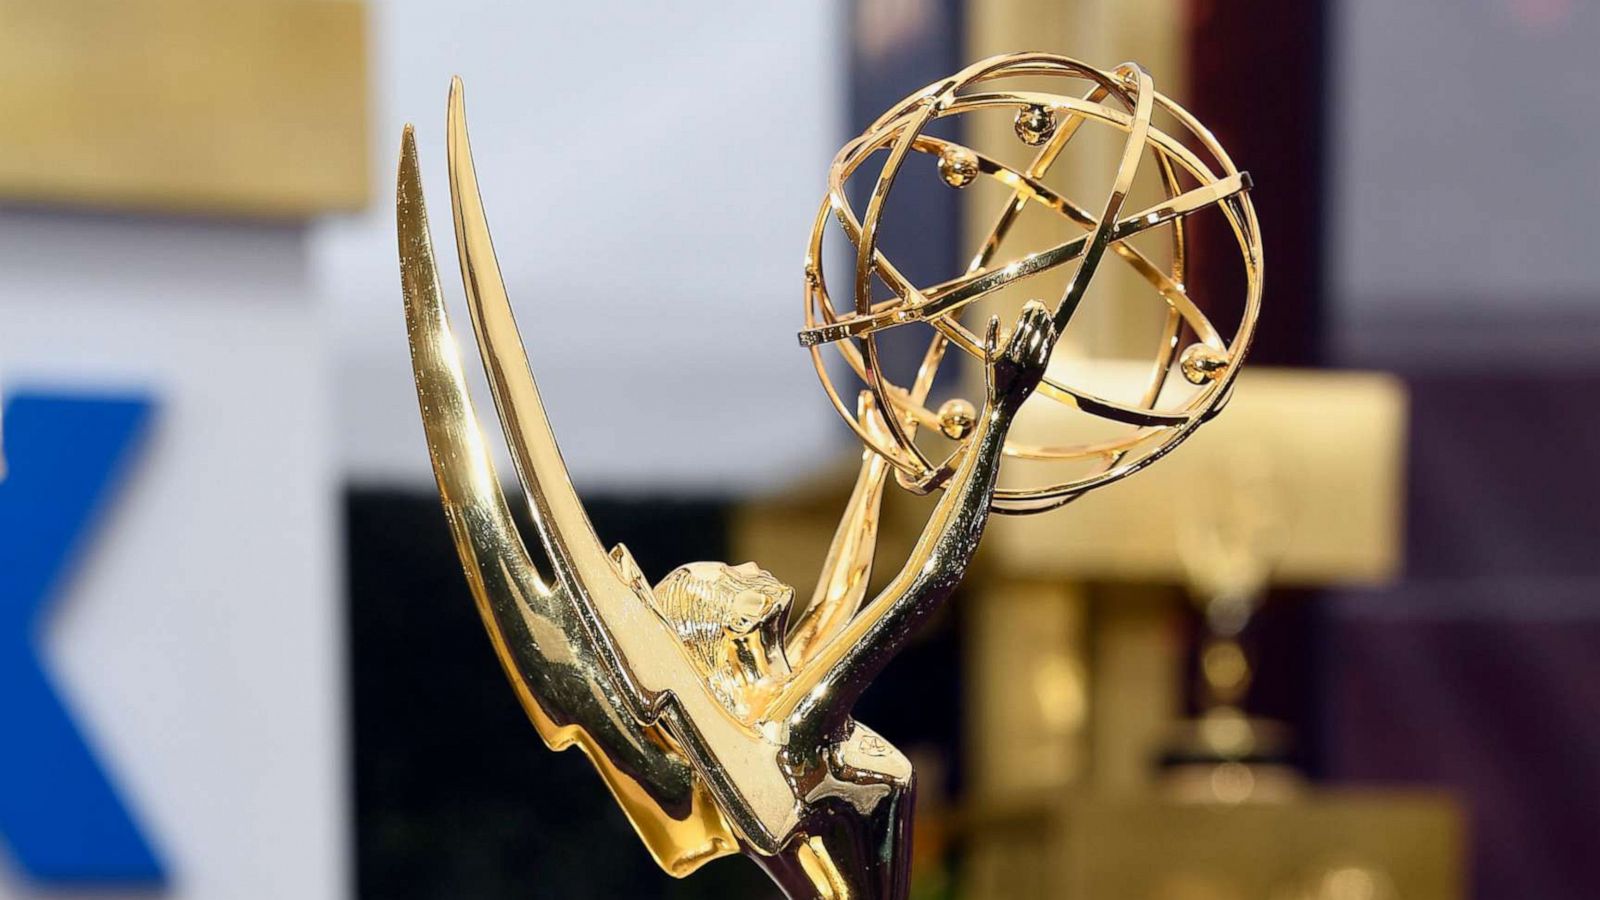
(716, 724)
(1154, 32)
(248, 107)
(1118, 644)
(1155, 418)
(716, 709)
(538, 628)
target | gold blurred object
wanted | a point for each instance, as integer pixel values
(1226, 669)
(1151, 420)
(1337, 441)
(1330, 845)
(1230, 541)
(250, 107)
(1233, 531)
(718, 711)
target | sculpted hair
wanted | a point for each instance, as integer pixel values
(698, 600)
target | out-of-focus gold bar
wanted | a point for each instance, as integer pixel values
(1369, 844)
(1336, 442)
(253, 107)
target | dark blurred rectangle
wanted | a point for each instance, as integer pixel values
(1479, 672)
(1487, 688)
(255, 107)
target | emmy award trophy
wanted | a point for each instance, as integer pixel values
(716, 708)
(1229, 553)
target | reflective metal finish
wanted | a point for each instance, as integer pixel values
(1123, 99)
(541, 631)
(716, 710)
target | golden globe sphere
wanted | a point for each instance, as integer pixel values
(1050, 99)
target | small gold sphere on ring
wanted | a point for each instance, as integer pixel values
(1035, 123)
(956, 418)
(1201, 363)
(958, 166)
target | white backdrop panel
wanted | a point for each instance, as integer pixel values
(650, 171)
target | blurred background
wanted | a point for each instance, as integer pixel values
(1344, 645)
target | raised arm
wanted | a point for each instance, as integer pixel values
(825, 687)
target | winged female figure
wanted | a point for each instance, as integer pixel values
(716, 710)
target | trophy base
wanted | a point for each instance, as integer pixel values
(1226, 757)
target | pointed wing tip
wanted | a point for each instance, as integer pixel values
(458, 96)
(408, 146)
(457, 107)
(408, 178)
(417, 276)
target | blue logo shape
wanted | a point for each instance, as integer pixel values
(59, 812)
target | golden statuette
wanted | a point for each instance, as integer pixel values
(715, 708)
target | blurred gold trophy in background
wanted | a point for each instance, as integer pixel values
(1230, 547)
(717, 709)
